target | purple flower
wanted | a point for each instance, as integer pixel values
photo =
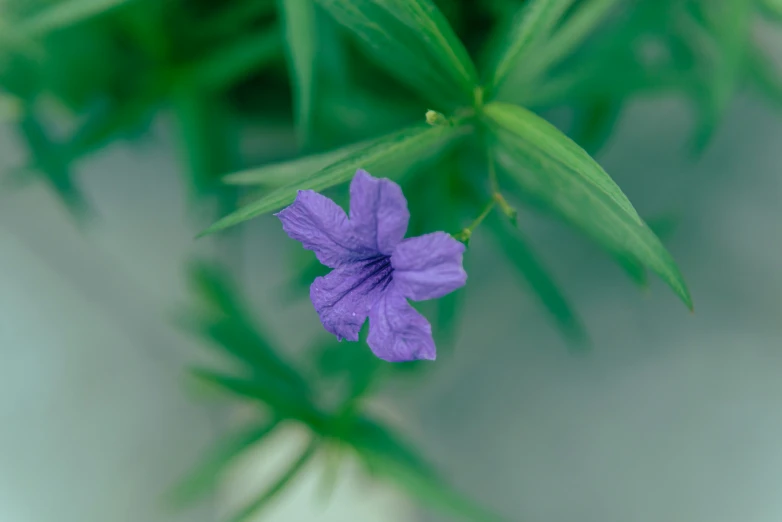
(375, 269)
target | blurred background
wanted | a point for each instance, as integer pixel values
(593, 401)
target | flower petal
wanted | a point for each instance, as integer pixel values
(321, 226)
(428, 266)
(344, 297)
(378, 212)
(397, 332)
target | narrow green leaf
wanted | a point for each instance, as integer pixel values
(205, 478)
(663, 228)
(255, 507)
(634, 270)
(772, 9)
(763, 75)
(285, 406)
(544, 140)
(66, 13)
(236, 16)
(52, 163)
(370, 436)
(567, 37)
(402, 147)
(523, 258)
(430, 491)
(298, 19)
(287, 172)
(390, 458)
(229, 325)
(549, 167)
(718, 34)
(413, 41)
(199, 140)
(534, 20)
(231, 63)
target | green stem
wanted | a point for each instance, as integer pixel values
(465, 234)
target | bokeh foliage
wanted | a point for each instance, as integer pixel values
(353, 81)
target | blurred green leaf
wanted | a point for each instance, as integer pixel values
(550, 167)
(66, 13)
(572, 33)
(763, 75)
(413, 41)
(284, 405)
(235, 16)
(533, 270)
(301, 33)
(49, 159)
(227, 324)
(390, 458)
(719, 34)
(13, 39)
(116, 119)
(231, 63)
(204, 139)
(271, 493)
(207, 475)
(286, 172)
(534, 20)
(771, 8)
(402, 147)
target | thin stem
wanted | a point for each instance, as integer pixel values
(465, 234)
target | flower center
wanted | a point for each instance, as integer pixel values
(377, 273)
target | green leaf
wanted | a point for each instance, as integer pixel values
(252, 509)
(772, 9)
(284, 405)
(235, 17)
(718, 34)
(402, 147)
(205, 478)
(663, 227)
(204, 139)
(286, 172)
(549, 167)
(298, 19)
(572, 33)
(51, 161)
(228, 324)
(763, 75)
(547, 142)
(12, 38)
(230, 63)
(66, 13)
(532, 269)
(533, 21)
(413, 41)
